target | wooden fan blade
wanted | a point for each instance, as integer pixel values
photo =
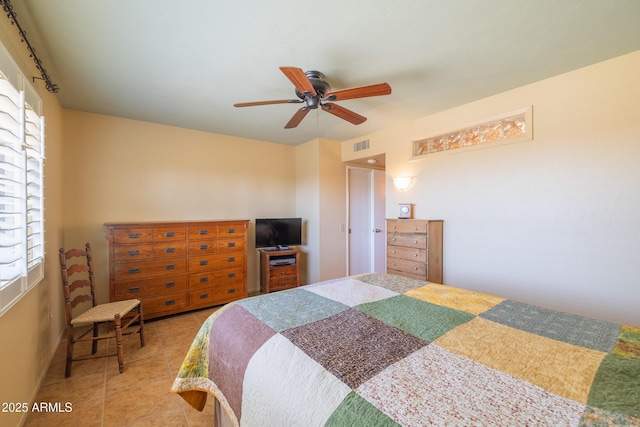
(299, 80)
(297, 118)
(281, 101)
(343, 113)
(359, 92)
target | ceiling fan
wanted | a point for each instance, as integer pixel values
(314, 91)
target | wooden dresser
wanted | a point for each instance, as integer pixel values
(279, 269)
(177, 266)
(414, 248)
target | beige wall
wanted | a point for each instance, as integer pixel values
(554, 221)
(308, 206)
(332, 250)
(31, 329)
(321, 201)
(125, 170)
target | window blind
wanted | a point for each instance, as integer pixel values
(21, 195)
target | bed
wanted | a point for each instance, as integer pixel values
(384, 350)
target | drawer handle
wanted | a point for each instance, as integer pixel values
(393, 251)
(134, 253)
(170, 250)
(134, 235)
(231, 259)
(393, 239)
(231, 291)
(203, 232)
(415, 241)
(204, 247)
(415, 268)
(170, 284)
(231, 275)
(170, 302)
(415, 228)
(393, 264)
(203, 296)
(415, 255)
(283, 273)
(231, 244)
(169, 234)
(204, 262)
(170, 267)
(134, 270)
(134, 290)
(204, 279)
(231, 230)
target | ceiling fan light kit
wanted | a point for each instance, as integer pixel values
(312, 89)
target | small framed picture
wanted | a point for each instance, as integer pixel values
(406, 211)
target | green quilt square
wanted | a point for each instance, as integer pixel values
(616, 386)
(355, 411)
(416, 317)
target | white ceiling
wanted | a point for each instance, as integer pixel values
(185, 63)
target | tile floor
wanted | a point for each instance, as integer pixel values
(101, 396)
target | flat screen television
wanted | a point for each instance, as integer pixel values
(278, 233)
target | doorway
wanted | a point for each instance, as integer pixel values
(366, 238)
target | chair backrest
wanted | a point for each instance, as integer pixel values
(78, 282)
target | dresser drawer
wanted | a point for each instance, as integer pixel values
(409, 275)
(411, 254)
(231, 229)
(150, 287)
(283, 271)
(143, 269)
(407, 240)
(125, 236)
(215, 262)
(168, 234)
(202, 231)
(170, 249)
(406, 266)
(215, 295)
(169, 303)
(140, 251)
(232, 275)
(203, 247)
(278, 283)
(230, 245)
(406, 226)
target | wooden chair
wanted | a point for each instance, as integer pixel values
(120, 317)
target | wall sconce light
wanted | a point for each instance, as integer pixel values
(402, 183)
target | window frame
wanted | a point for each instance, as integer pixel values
(22, 149)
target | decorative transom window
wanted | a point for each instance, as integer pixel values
(21, 185)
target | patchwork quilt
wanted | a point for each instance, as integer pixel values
(383, 350)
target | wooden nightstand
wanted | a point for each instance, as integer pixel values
(279, 269)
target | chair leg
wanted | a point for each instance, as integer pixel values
(118, 326)
(94, 344)
(67, 371)
(141, 332)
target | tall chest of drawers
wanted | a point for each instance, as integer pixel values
(414, 248)
(177, 266)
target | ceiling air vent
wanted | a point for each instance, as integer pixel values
(362, 145)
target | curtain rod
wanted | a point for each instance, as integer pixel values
(8, 8)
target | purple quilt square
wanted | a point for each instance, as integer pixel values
(234, 338)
